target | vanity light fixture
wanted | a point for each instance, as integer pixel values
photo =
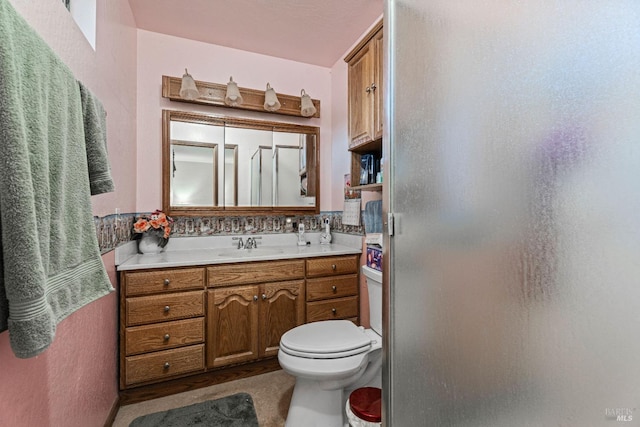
(233, 96)
(307, 109)
(271, 102)
(188, 89)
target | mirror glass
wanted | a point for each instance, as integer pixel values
(267, 167)
(194, 174)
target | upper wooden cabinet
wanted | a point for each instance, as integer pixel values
(365, 89)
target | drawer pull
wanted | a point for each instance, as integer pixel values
(333, 310)
(166, 308)
(166, 282)
(166, 337)
(166, 365)
(334, 288)
(333, 266)
(264, 296)
(255, 297)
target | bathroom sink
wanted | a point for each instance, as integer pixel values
(248, 253)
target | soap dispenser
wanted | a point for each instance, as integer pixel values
(301, 239)
(325, 236)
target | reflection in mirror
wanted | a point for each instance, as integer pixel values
(287, 171)
(248, 141)
(194, 174)
(230, 175)
(267, 167)
(261, 190)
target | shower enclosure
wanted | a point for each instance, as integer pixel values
(512, 281)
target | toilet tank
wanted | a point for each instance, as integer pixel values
(374, 284)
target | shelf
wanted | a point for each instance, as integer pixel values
(368, 147)
(213, 94)
(368, 187)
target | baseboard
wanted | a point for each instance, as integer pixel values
(112, 414)
(193, 382)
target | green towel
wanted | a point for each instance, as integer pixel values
(50, 264)
(95, 133)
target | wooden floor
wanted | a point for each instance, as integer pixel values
(271, 393)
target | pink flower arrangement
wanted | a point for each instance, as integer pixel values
(158, 223)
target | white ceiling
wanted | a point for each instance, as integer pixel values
(316, 32)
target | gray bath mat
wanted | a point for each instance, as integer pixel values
(231, 411)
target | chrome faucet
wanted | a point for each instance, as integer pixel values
(251, 242)
(240, 243)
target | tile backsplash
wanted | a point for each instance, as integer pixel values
(114, 230)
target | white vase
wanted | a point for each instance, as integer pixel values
(148, 244)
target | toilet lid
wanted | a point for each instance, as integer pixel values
(366, 404)
(329, 339)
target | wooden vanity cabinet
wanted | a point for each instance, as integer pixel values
(177, 322)
(333, 288)
(162, 325)
(250, 306)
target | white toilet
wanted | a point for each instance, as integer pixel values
(330, 359)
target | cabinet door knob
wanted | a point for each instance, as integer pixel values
(166, 337)
(368, 89)
(333, 310)
(264, 296)
(255, 297)
(333, 266)
(166, 282)
(166, 365)
(166, 308)
(334, 288)
(373, 86)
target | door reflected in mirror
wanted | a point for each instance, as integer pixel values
(267, 167)
(230, 175)
(194, 174)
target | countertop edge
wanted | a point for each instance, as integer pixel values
(191, 258)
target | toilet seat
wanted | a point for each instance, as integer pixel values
(330, 339)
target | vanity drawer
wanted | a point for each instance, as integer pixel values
(163, 336)
(332, 287)
(331, 266)
(254, 272)
(152, 282)
(164, 364)
(164, 307)
(338, 308)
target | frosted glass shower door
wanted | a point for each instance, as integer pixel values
(513, 136)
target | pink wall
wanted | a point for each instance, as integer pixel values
(74, 382)
(159, 54)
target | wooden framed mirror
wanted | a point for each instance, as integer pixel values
(265, 167)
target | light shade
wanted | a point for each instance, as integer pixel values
(233, 97)
(271, 102)
(188, 89)
(307, 109)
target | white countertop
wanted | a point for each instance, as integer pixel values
(190, 251)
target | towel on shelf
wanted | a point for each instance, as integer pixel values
(95, 134)
(50, 264)
(373, 217)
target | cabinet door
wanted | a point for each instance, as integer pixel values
(282, 308)
(232, 325)
(361, 75)
(378, 107)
